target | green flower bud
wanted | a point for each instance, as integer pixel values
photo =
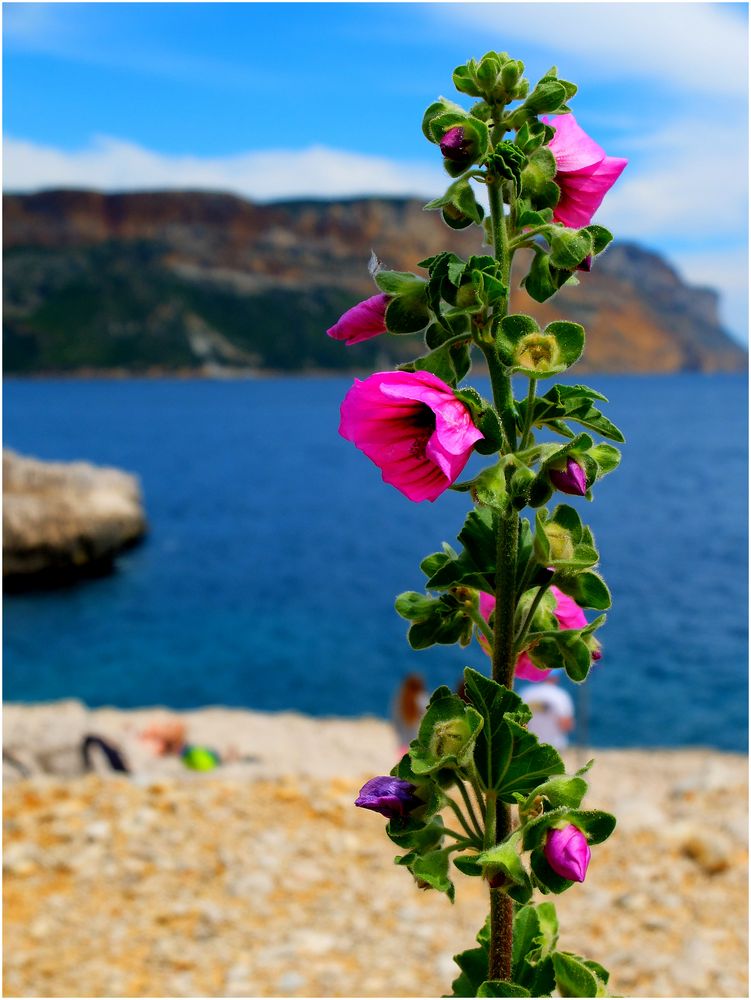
(449, 738)
(537, 351)
(560, 542)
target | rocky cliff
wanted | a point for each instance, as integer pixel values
(189, 280)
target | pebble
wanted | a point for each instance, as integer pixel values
(221, 886)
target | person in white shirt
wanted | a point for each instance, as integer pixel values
(552, 711)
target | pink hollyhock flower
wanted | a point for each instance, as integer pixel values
(568, 852)
(566, 610)
(584, 172)
(413, 427)
(363, 321)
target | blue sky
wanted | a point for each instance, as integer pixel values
(286, 100)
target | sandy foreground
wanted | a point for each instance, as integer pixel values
(262, 879)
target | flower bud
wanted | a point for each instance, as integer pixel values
(365, 320)
(560, 541)
(449, 738)
(455, 147)
(537, 352)
(571, 479)
(391, 797)
(568, 853)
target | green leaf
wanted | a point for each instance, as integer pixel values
(569, 247)
(595, 824)
(607, 458)
(508, 758)
(408, 313)
(468, 865)
(544, 877)
(432, 869)
(449, 362)
(588, 589)
(475, 566)
(560, 790)
(523, 348)
(535, 937)
(501, 988)
(546, 98)
(415, 835)
(572, 402)
(414, 606)
(399, 282)
(437, 108)
(573, 977)
(447, 733)
(473, 964)
(504, 859)
(601, 237)
(543, 279)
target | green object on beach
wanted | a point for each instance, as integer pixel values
(200, 758)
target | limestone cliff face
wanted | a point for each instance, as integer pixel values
(185, 279)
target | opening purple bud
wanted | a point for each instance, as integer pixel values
(455, 147)
(568, 853)
(572, 479)
(391, 797)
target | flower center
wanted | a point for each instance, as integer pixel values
(421, 430)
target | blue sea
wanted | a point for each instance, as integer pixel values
(275, 553)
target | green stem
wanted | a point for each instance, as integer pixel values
(460, 816)
(470, 808)
(460, 838)
(528, 413)
(480, 623)
(506, 528)
(519, 240)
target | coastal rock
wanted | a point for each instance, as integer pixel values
(62, 521)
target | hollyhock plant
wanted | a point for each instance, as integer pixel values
(569, 616)
(412, 426)
(391, 797)
(572, 479)
(568, 853)
(584, 172)
(361, 322)
(496, 801)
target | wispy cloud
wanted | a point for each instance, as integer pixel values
(700, 47)
(112, 164)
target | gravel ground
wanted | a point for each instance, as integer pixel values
(233, 884)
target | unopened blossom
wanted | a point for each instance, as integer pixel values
(567, 852)
(389, 796)
(584, 172)
(412, 426)
(572, 479)
(363, 321)
(455, 147)
(569, 616)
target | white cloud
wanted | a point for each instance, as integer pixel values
(116, 165)
(700, 47)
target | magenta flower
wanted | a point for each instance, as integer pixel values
(454, 146)
(584, 172)
(391, 797)
(568, 852)
(413, 427)
(363, 321)
(566, 610)
(571, 480)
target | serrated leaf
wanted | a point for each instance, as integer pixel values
(501, 988)
(573, 977)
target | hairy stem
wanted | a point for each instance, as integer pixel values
(506, 528)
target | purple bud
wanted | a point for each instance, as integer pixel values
(596, 655)
(586, 264)
(454, 147)
(568, 852)
(391, 797)
(572, 479)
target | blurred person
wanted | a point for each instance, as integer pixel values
(407, 710)
(552, 711)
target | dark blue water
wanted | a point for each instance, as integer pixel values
(275, 554)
